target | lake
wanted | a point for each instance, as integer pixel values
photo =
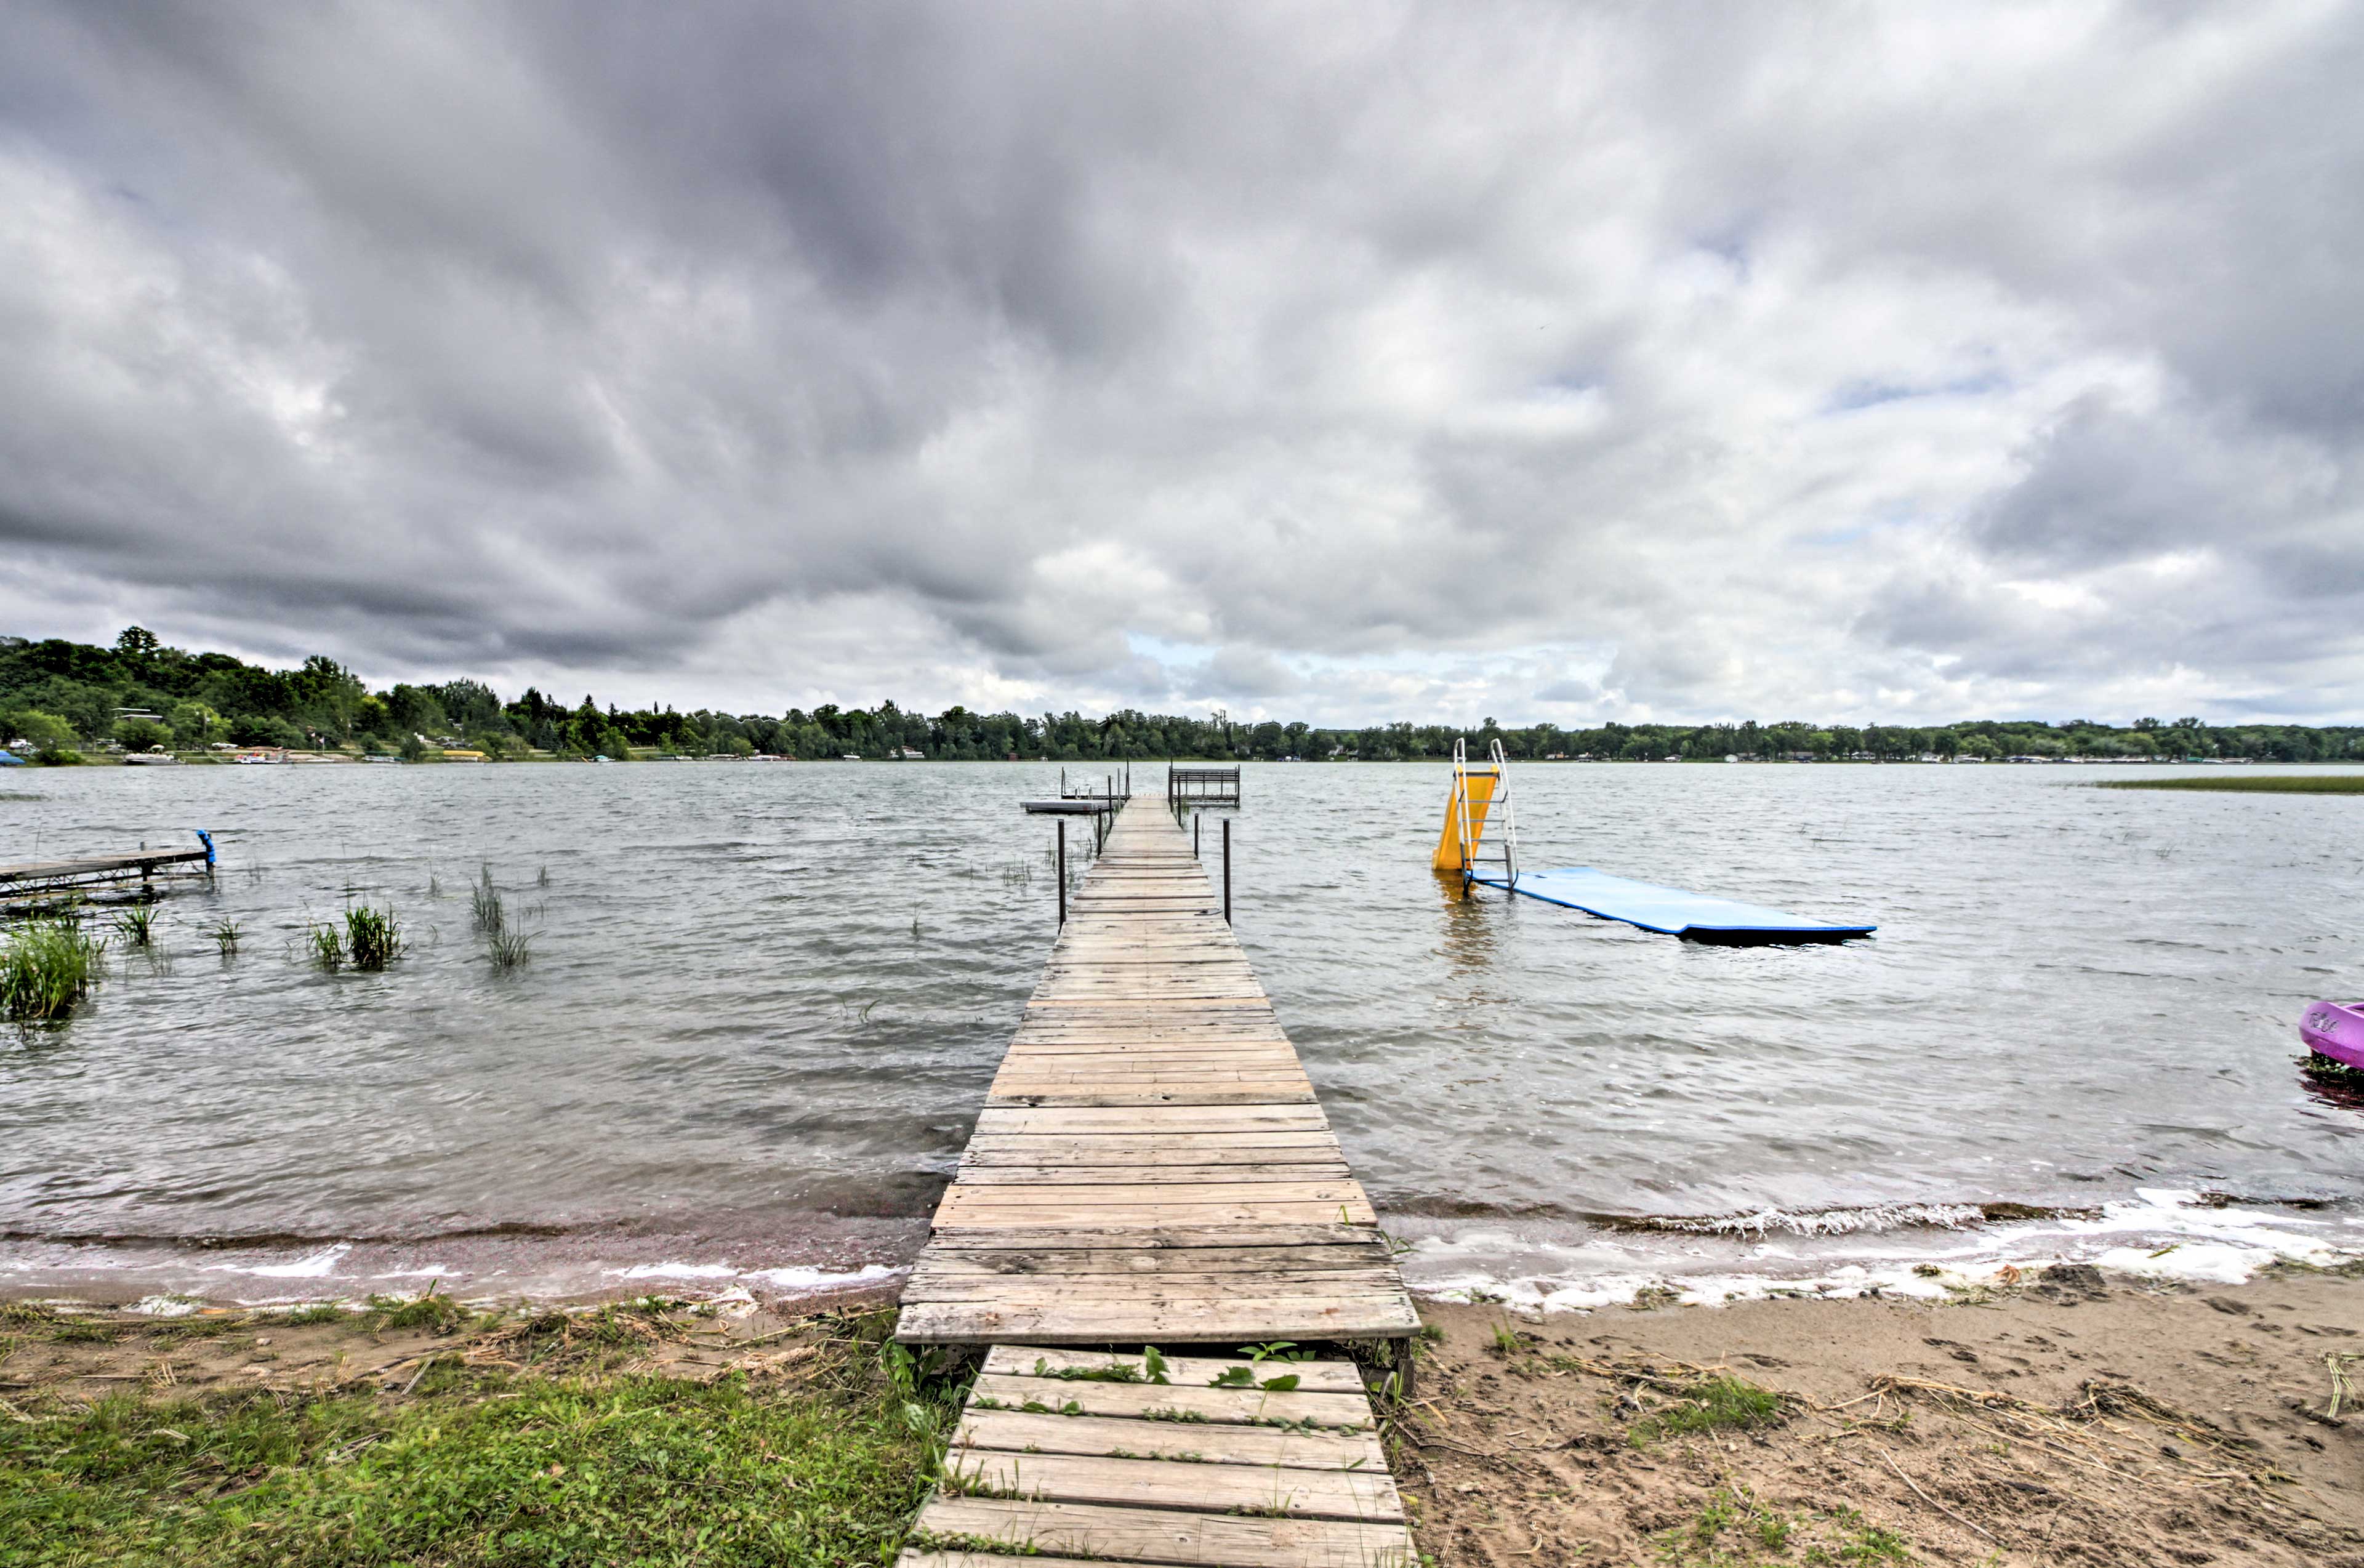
(764, 1001)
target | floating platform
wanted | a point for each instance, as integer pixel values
(1670, 911)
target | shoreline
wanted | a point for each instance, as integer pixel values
(1931, 1252)
(2074, 1415)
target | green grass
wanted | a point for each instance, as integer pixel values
(1710, 1405)
(483, 1470)
(46, 966)
(1734, 1530)
(2253, 783)
(318, 1312)
(225, 934)
(439, 1313)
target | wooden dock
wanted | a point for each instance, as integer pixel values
(1152, 1168)
(77, 875)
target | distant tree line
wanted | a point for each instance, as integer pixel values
(60, 696)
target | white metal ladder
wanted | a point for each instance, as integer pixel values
(1499, 814)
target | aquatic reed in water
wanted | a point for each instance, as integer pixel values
(328, 947)
(509, 949)
(46, 966)
(224, 936)
(485, 903)
(373, 937)
(508, 946)
(137, 924)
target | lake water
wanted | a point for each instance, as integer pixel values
(765, 1002)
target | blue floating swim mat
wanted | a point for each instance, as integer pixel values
(1670, 910)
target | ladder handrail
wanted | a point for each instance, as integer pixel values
(1509, 817)
(1461, 804)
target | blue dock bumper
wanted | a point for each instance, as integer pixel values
(1672, 911)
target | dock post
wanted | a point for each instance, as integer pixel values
(1062, 873)
(1195, 820)
(1227, 870)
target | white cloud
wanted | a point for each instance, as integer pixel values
(1531, 359)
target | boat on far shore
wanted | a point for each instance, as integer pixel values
(2335, 1030)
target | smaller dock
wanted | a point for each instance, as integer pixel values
(36, 882)
(1188, 787)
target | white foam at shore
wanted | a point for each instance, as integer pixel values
(321, 1265)
(1829, 1221)
(2160, 1233)
(790, 1279)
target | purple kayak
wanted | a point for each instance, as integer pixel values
(2334, 1029)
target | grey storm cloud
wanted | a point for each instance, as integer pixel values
(1333, 360)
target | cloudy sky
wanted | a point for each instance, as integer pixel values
(1348, 361)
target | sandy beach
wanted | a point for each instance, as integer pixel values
(2068, 1416)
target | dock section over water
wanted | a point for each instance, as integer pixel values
(1152, 1168)
(79, 875)
(1151, 1163)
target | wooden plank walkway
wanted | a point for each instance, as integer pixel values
(1152, 1167)
(142, 861)
(1051, 1464)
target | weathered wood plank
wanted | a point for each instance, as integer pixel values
(1183, 1539)
(1170, 1288)
(1145, 1175)
(1156, 1119)
(1015, 1432)
(1124, 1149)
(1347, 1412)
(1127, 1194)
(1320, 1376)
(1113, 1098)
(1272, 1490)
(1195, 1261)
(1171, 1238)
(1234, 1319)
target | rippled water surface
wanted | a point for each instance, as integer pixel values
(765, 1002)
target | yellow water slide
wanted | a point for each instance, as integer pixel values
(1472, 793)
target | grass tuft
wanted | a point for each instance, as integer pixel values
(137, 924)
(437, 1314)
(485, 903)
(225, 934)
(373, 937)
(46, 967)
(1710, 1405)
(318, 1312)
(509, 949)
(328, 947)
